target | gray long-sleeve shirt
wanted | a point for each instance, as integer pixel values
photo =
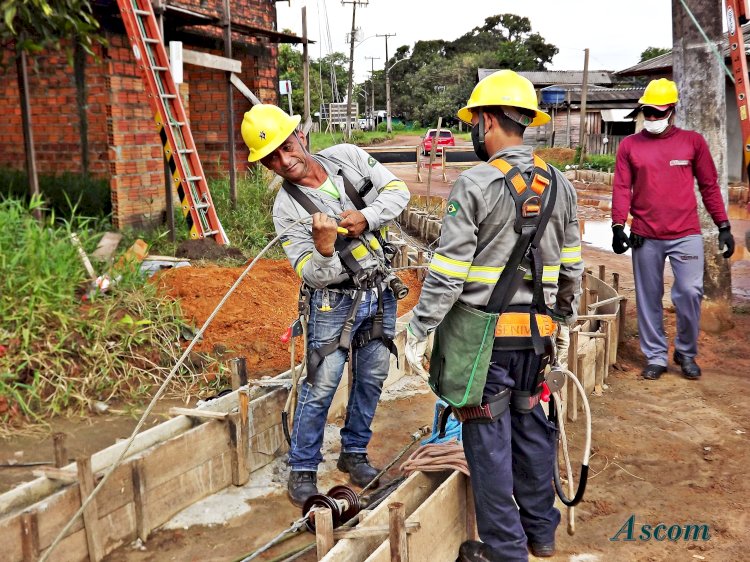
(477, 238)
(385, 201)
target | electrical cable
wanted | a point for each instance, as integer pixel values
(85, 503)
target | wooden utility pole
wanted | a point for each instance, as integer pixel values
(305, 71)
(387, 83)
(702, 87)
(227, 23)
(584, 95)
(28, 135)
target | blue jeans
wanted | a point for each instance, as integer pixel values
(370, 367)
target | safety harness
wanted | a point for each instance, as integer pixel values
(360, 280)
(527, 326)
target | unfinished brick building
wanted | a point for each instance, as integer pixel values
(94, 117)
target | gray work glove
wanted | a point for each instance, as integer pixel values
(414, 350)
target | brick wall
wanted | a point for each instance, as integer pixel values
(55, 115)
(123, 142)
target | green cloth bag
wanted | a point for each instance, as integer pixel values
(461, 354)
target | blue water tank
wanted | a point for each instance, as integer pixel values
(553, 95)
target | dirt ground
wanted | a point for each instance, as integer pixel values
(671, 452)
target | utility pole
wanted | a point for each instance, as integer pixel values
(387, 82)
(372, 83)
(701, 84)
(354, 4)
(305, 71)
(584, 95)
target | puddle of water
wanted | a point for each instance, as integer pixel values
(598, 234)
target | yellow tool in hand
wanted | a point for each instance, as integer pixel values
(341, 230)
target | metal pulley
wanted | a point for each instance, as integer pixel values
(341, 500)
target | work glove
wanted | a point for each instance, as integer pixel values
(636, 240)
(726, 239)
(414, 350)
(620, 242)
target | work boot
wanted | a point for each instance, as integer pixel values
(302, 484)
(690, 369)
(475, 551)
(361, 472)
(653, 372)
(542, 550)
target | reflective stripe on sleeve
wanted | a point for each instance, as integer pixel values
(449, 267)
(550, 274)
(301, 263)
(395, 185)
(571, 255)
(359, 251)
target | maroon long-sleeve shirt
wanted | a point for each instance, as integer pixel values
(654, 183)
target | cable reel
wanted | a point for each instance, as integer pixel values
(341, 500)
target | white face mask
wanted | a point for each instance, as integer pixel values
(656, 127)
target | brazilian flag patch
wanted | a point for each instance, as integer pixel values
(453, 208)
(371, 162)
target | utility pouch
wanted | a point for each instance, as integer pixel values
(461, 355)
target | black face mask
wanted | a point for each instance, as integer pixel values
(477, 139)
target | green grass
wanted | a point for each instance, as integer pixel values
(60, 355)
(319, 141)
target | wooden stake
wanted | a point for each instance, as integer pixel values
(397, 535)
(61, 452)
(616, 281)
(323, 531)
(471, 515)
(30, 536)
(238, 367)
(602, 272)
(572, 366)
(240, 439)
(623, 309)
(142, 526)
(90, 514)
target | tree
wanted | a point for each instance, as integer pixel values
(32, 26)
(653, 52)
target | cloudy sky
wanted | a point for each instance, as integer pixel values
(614, 32)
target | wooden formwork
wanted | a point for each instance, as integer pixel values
(168, 468)
(438, 517)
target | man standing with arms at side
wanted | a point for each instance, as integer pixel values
(654, 181)
(345, 283)
(511, 450)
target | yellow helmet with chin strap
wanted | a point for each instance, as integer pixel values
(264, 128)
(660, 93)
(508, 88)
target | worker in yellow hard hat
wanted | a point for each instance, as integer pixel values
(655, 171)
(509, 215)
(347, 300)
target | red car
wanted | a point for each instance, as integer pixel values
(446, 139)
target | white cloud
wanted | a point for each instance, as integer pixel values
(614, 32)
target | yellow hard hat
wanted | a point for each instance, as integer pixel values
(264, 128)
(504, 87)
(660, 93)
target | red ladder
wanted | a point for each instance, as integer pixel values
(171, 122)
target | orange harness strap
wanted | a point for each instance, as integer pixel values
(518, 325)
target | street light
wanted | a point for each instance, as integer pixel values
(388, 95)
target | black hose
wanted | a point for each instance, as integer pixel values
(285, 427)
(556, 473)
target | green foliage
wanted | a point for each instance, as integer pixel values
(603, 162)
(653, 52)
(60, 355)
(40, 24)
(62, 193)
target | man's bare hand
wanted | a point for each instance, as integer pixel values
(324, 233)
(354, 221)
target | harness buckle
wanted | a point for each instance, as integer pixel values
(531, 207)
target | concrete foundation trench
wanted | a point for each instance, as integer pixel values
(225, 441)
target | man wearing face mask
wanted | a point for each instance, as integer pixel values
(509, 442)
(654, 182)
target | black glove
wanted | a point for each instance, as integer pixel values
(726, 239)
(620, 242)
(636, 240)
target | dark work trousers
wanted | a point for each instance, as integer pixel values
(509, 458)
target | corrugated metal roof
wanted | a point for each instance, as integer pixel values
(663, 63)
(542, 78)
